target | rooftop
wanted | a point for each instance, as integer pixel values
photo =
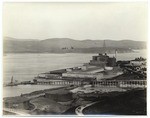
(89, 68)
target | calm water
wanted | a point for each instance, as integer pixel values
(26, 66)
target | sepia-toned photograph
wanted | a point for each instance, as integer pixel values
(74, 59)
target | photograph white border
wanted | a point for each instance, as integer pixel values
(148, 50)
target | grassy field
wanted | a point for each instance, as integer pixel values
(129, 103)
(47, 106)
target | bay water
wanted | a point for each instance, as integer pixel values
(25, 66)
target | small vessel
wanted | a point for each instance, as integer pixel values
(12, 83)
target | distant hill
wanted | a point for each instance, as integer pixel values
(15, 39)
(67, 45)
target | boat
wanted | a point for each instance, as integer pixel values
(12, 82)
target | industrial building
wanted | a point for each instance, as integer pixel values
(103, 60)
(100, 67)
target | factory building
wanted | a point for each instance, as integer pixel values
(100, 67)
(95, 69)
(103, 60)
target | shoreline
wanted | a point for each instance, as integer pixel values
(36, 92)
(81, 93)
(21, 88)
(67, 52)
(104, 97)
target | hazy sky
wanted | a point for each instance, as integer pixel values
(79, 21)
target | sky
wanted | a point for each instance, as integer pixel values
(80, 21)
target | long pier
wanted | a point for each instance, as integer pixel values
(121, 83)
(106, 83)
(61, 82)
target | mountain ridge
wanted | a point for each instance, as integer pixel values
(62, 45)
